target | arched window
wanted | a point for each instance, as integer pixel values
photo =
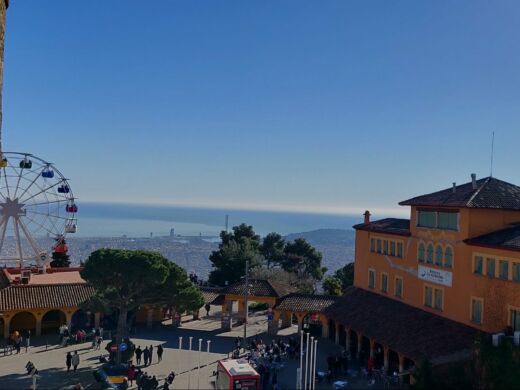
(448, 257)
(438, 255)
(420, 252)
(429, 254)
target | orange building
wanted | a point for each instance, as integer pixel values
(458, 256)
(428, 286)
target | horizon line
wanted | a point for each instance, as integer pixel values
(276, 208)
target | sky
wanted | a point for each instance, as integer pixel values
(318, 106)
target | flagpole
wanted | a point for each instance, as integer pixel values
(189, 366)
(301, 361)
(179, 357)
(306, 361)
(314, 369)
(311, 362)
(198, 365)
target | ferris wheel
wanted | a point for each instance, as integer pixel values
(37, 209)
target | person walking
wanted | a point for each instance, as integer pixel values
(75, 360)
(68, 361)
(131, 374)
(150, 350)
(146, 356)
(138, 353)
(160, 351)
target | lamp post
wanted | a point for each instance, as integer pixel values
(314, 368)
(301, 361)
(306, 361)
(246, 296)
(189, 366)
(198, 365)
(311, 356)
(179, 357)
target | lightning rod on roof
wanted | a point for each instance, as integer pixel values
(492, 152)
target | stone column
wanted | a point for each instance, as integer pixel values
(372, 347)
(68, 318)
(97, 319)
(359, 344)
(242, 310)
(38, 331)
(401, 362)
(347, 340)
(149, 318)
(286, 319)
(386, 352)
(7, 322)
(324, 327)
(299, 317)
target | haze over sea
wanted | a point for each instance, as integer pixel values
(132, 220)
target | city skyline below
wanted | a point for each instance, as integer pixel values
(331, 108)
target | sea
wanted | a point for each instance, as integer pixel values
(132, 220)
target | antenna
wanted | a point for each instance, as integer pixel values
(492, 152)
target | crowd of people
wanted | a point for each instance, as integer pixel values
(15, 342)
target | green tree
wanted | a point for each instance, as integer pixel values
(229, 261)
(272, 249)
(498, 367)
(124, 280)
(345, 275)
(177, 292)
(60, 257)
(303, 259)
(332, 285)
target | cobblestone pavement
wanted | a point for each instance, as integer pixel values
(50, 361)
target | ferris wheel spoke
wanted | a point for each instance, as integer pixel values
(20, 174)
(3, 225)
(40, 225)
(33, 243)
(50, 215)
(41, 192)
(18, 241)
(29, 186)
(6, 184)
(63, 200)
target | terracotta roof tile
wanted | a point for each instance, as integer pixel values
(212, 295)
(506, 238)
(259, 287)
(387, 225)
(404, 328)
(306, 302)
(44, 296)
(490, 193)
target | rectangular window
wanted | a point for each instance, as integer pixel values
(427, 219)
(398, 287)
(438, 302)
(384, 282)
(504, 269)
(490, 267)
(400, 249)
(516, 272)
(476, 310)
(392, 248)
(372, 245)
(447, 221)
(385, 247)
(478, 265)
(515, 319)
(371, 278)
(379, 248)
(428, 296)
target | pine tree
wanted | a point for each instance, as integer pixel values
(60, 257)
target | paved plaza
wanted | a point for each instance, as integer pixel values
(50, 360)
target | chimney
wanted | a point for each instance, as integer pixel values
(367, 216)
(454, 187)
(474, 181)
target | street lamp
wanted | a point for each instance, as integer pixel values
(189, 366)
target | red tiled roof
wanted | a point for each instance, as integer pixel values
(259, 288)
(306, 302)
(388, 225)
(504, 239)
(44, 296)
(403, 328)
(212, 295)
(490, 193)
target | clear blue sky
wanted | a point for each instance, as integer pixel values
(311, 105)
